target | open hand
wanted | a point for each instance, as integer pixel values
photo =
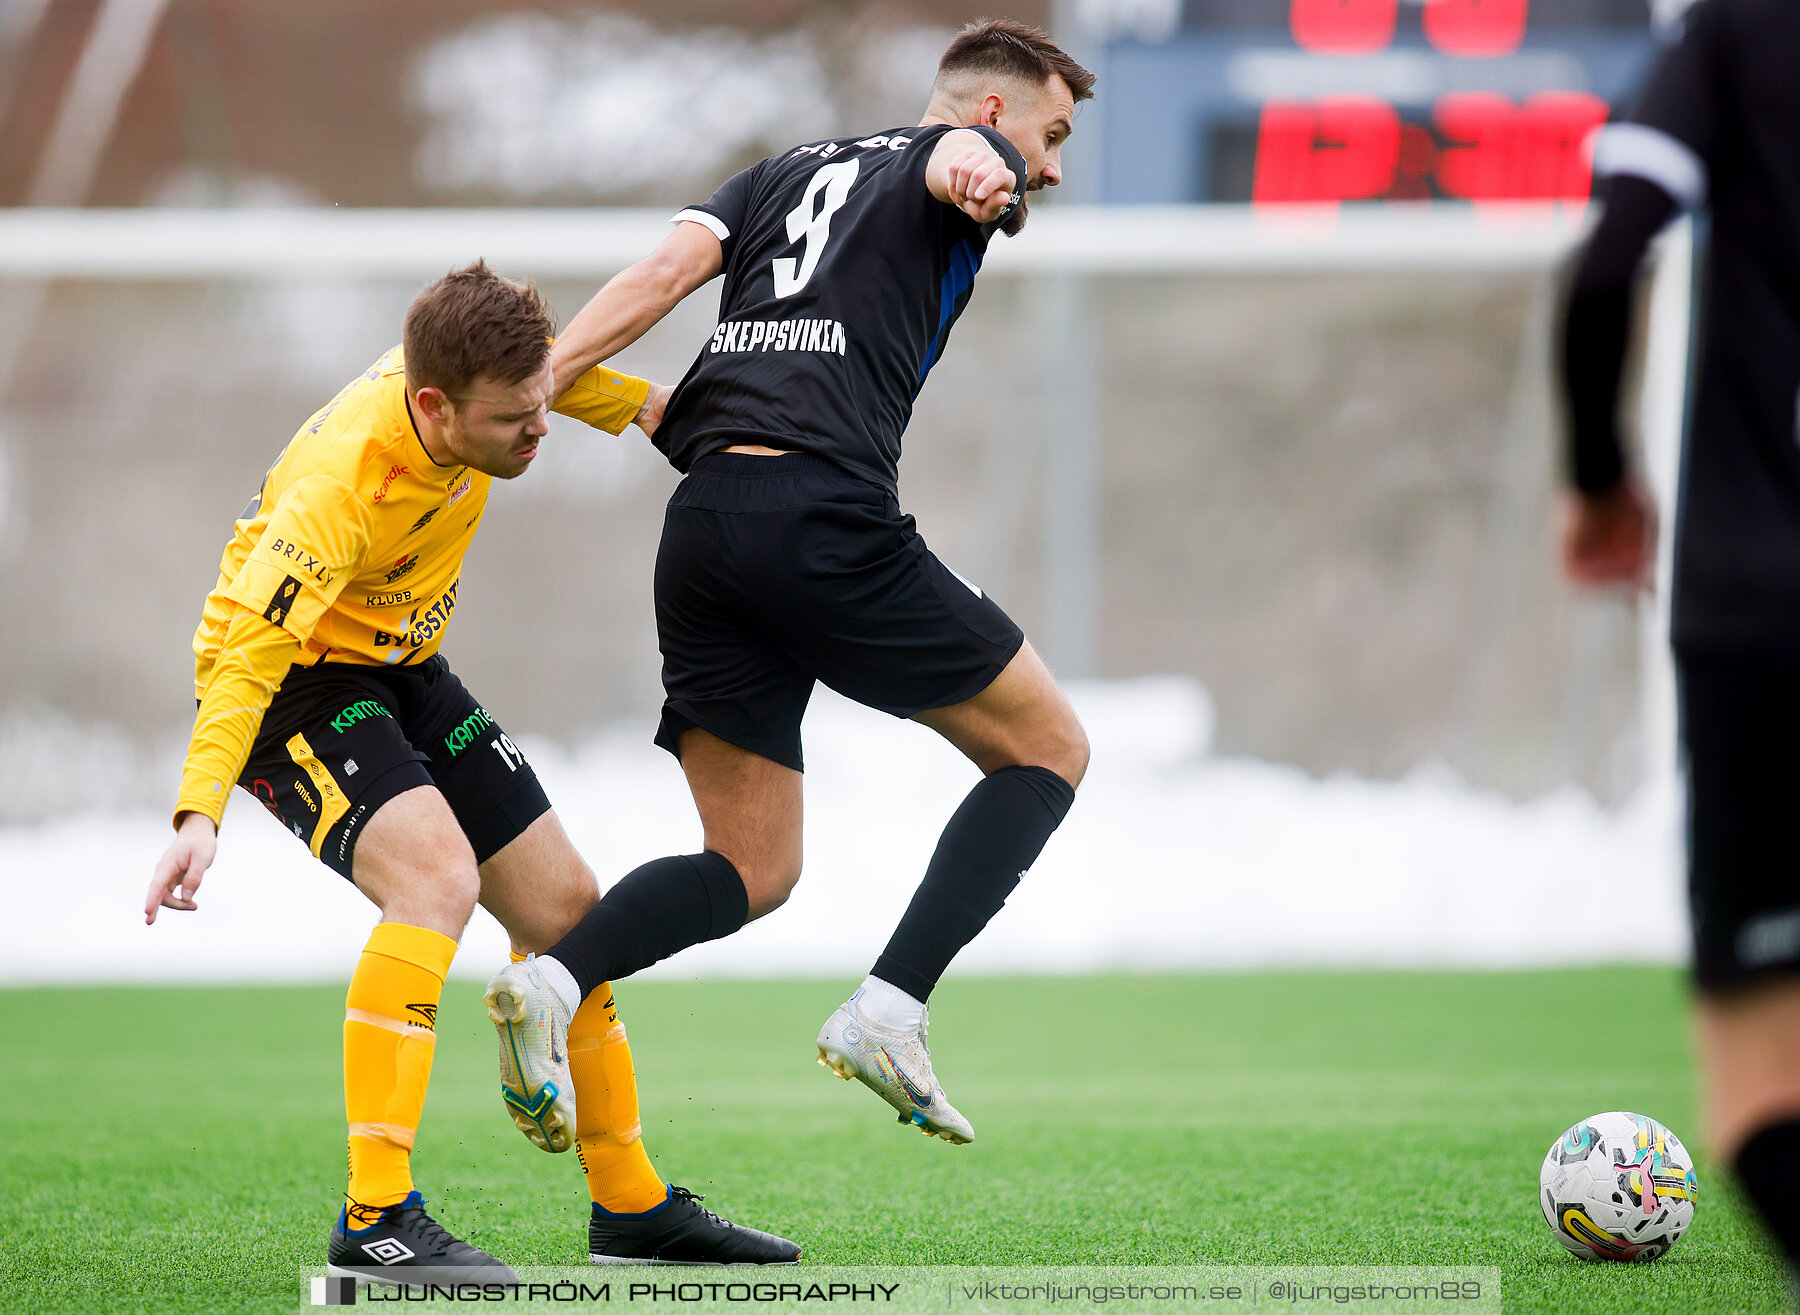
(182, 865)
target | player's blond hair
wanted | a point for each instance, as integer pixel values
(473, 324)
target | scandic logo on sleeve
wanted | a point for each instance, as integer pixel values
(283, 601)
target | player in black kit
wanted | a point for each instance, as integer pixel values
(785, 557)
(1719, 126)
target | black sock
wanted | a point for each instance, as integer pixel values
(1768, 1165)
(653, 911)
(994, 836)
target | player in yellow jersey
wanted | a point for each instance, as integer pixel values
(322, 693)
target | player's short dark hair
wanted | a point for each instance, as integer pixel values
(473, 324)
(1001, 46)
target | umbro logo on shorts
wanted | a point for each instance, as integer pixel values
(389, 1251)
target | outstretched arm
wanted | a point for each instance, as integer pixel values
(252, 661)
(273, 613)
(632, 302)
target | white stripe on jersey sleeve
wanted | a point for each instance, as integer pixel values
(1653, 155)
(705, 220)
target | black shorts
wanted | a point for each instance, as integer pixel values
(775, 572)
(339, 741)
(1740, 732)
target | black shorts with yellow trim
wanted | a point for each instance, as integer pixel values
(339, 741)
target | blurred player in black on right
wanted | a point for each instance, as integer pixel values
(1719, 127)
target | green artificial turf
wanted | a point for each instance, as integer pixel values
(182, 1148)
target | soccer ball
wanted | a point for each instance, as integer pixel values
(1618, 1187)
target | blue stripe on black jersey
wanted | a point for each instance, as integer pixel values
(959, 277)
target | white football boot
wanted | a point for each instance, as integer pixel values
(533, 1023)
(896, 1065)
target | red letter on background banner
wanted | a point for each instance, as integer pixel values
(1472, 28)
(1367, 135)
(1342, 148)
(1477, 165)
(1284, 142)
(1557, 124)
(1343, 27)
(1504, 152)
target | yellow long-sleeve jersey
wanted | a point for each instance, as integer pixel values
(350, 552)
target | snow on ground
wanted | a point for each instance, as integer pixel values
(1172, 859)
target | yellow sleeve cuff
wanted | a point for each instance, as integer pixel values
(213, 808)
(604, 398)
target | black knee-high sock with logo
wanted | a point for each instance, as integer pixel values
(994, 836)
(1768, 1166)
(664, 906)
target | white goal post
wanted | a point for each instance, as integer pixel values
(547, 243)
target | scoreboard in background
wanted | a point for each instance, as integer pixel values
(1318, 101)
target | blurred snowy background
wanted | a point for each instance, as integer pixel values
(1343, 709)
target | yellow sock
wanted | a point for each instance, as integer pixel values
(608, 1132)
(390, 1020)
